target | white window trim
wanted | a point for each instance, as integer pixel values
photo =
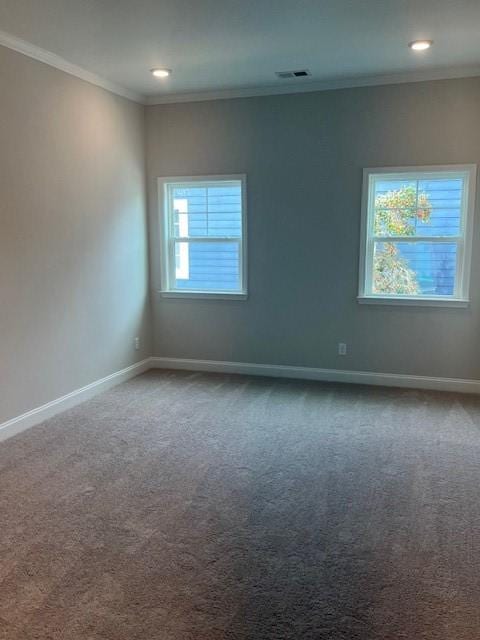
(166, 268)
(464, 257)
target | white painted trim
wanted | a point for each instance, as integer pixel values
(198, 295)
(326, 375)
(40, 414)
(460, 297)
(46, 411)
(308, 86)
(411, 301)
(164, 185)
(52, 59)
(47, 57)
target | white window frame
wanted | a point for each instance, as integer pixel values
(168, 239)
(460, 298)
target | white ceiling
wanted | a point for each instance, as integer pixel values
(229, 45)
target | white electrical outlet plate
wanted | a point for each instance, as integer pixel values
(137, 343)
(342, 349)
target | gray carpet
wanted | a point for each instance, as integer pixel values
(185, 506)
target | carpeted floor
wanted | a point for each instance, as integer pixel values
(184, 506)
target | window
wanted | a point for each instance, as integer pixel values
(417, 235)
(204, 247)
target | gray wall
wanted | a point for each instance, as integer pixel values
(73, 264)
(303, 155)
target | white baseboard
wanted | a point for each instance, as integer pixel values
(38, 415)
(325, 375)
(35, 416)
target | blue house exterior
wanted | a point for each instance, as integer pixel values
(214, 215)
(434, 263)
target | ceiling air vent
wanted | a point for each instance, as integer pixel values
(302, 73)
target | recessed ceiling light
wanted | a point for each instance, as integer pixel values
(161, 73)
(420, 45)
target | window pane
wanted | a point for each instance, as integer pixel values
(414, 268)
(427, 207)
(207, 211)
(207, 266)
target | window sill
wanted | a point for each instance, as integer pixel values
(204, 295)
(411, 301)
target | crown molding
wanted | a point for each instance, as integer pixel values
(424, 75)
(52, 59)
(47, 57)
